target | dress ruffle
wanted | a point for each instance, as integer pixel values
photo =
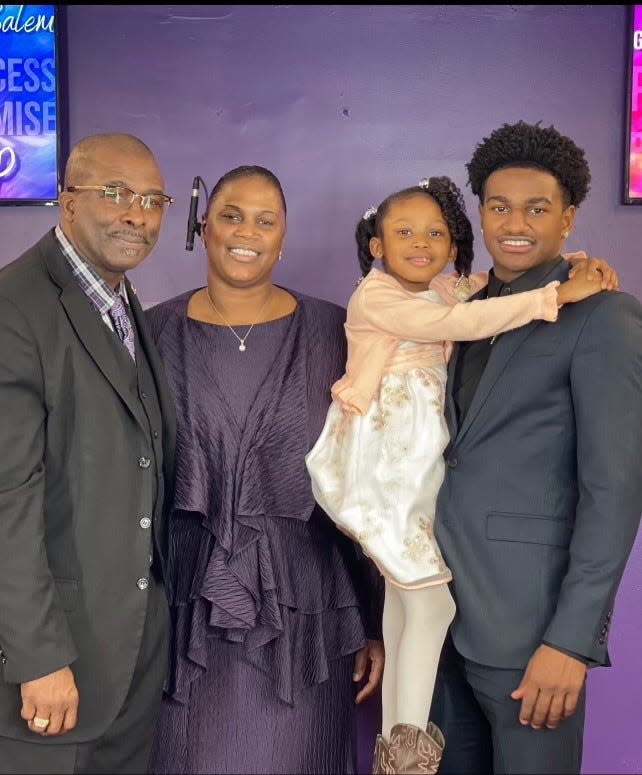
(291, 633)
(251, 558)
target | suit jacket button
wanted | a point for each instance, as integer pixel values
(145, 522)
(142, 583)
(452, 462)
(144, 462)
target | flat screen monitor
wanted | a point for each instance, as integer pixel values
(633, 161)
(30, 105)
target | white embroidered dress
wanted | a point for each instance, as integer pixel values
(377, 473)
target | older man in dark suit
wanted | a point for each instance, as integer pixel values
(86, 459)
(542, 497)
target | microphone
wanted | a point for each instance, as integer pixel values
(193, 225)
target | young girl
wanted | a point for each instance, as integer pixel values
(377, 465)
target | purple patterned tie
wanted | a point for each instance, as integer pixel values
(123, 324)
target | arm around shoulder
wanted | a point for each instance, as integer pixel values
(404, 315)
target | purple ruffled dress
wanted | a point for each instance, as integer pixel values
(268, 598)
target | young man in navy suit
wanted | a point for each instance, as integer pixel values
(542, 497)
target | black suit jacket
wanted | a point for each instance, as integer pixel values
(73, 490)
(542, 495)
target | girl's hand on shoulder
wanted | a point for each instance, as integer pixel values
(608, 275)
(579, 286)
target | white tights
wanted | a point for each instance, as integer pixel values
(415, 623)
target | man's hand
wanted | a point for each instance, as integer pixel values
(549, 688)
(374, 653)
(52, 698)
(579, 259)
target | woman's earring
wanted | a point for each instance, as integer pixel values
(564, 234)
(280, 255)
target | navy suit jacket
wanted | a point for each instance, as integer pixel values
(542, 495)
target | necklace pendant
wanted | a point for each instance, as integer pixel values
(242, 347)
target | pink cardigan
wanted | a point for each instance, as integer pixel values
(381, 314)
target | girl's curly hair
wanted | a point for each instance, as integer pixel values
(451, 202)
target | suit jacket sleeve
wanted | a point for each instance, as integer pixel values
(34, 634)
(606, 386)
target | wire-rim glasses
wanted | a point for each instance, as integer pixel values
(124, 197)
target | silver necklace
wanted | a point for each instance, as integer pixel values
(242, 347)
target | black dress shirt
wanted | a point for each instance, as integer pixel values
(473, 356)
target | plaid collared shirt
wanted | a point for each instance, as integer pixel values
(98, 292)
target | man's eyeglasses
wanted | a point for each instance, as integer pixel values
(125, 197)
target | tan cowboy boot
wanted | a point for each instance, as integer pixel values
(413, 751)
(381, 764)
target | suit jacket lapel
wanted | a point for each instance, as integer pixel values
(90, 329)
(502, 351)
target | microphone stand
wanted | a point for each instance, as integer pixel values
(193, 223)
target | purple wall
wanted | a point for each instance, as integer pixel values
(346, 104)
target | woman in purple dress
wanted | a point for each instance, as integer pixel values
(276, 614)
